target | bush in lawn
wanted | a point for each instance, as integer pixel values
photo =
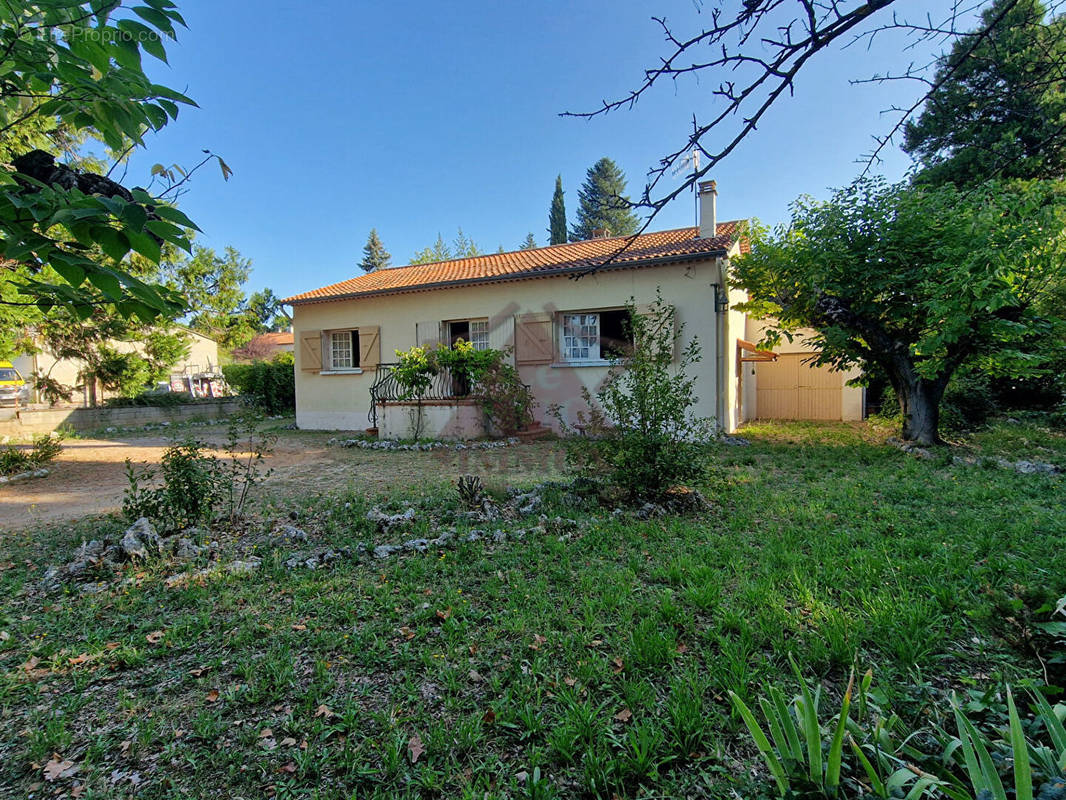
(195, 487)
(270, 385)
(639, 433)
(45, 449)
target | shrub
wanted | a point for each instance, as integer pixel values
(639, 432)
(125, 373)
(195, 487)
(269, 385)
(44, 451)
(507, 402)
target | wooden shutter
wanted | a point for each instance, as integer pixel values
(369, 346)
(427, 334)
(311, 351)
(534, 339)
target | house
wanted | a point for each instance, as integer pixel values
(198, 372)
(555, 306)
(265, 346)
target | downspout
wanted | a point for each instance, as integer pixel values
(721, 390)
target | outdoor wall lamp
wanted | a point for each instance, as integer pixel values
(721, 299)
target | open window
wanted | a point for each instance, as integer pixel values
(593, 336)
(343, 350)
(474, 331)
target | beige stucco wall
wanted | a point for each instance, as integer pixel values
(341, 401)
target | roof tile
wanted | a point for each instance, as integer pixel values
(525, 264)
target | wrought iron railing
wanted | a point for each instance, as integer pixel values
(444, 385)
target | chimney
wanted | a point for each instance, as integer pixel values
(708, 209)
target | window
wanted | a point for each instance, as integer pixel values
(581, 337)
(475, 331)
(344, 350)
(594, 336)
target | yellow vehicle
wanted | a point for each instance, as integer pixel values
(13, 389)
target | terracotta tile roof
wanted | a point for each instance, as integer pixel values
(646, 250)
(275, 339)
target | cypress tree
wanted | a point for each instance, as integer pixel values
(557, 215)
(375, 256)
(603, 203)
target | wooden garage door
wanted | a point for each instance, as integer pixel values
(789, 389)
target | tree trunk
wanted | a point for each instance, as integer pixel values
(919, 400)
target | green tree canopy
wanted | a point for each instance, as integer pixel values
(917, 281)
(462, 247)
(530, 242)
(375, 256)
(557, 215)
(603, 203)
(998, 108)
(74, 69)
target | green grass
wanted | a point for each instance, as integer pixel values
(515, 665)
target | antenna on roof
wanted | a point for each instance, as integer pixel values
(691, 159)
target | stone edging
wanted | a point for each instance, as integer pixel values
(1022, 467)
(24, 476)
(392, 444)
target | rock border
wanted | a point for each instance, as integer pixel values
(24, 476)
(394, 444)
(1022, 466)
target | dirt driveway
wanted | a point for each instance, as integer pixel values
(89, 476)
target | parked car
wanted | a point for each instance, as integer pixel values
(13, 389)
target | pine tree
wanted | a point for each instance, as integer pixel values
(557, 215)
(464, 247)
(375, 256)
(530, 243)
(603, 203)
(438, 252)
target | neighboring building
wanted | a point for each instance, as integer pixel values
(198, 372)
(557, 315)
(265, 346)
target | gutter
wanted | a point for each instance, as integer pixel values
(514, 276)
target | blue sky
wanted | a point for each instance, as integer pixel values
(421, 117)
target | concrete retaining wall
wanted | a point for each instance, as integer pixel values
(441, 419)
(27, 422)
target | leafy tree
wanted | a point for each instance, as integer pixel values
(375, 256)
(263, 311)
(214, 286)
(603, 203)
(530, 242)
(72, 70)
(999, 105)
(557, 215)
(918, 282)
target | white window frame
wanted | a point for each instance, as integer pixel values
(574, 337)
(330, 365)
(479, 339)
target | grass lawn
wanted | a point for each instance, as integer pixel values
(554, 666)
